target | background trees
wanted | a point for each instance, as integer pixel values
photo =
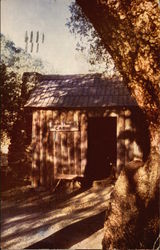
(14, 62)
(10, 92)
(90, 41)
(130, 32)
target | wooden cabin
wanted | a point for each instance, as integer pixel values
(83, 126)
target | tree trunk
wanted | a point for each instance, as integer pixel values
(130, 32)
(132, 220)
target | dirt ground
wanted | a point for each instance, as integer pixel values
(40, 219)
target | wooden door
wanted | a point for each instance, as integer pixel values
(102, 147)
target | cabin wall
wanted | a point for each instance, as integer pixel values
(59, 153)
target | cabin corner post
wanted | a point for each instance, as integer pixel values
(35, 152)
(49, 150)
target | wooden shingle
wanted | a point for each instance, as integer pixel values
(79, 91)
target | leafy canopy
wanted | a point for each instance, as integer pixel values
(14, 62)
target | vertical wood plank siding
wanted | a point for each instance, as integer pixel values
(49, 151)
(84, 141)
(58, 154)
(63, 154)
(77, 149)
(54, 138)
(57, 148)
(64, 151)
(41, 148)
(36, 148)
(70, 145)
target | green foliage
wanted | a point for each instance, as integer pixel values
(14, 62)
(90, 41)
(10, 90)
(18, 60)
(15, 121)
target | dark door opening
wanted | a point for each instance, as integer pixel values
(102, 147)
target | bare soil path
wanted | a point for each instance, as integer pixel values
(36, 219)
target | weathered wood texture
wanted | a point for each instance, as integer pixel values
(35, 148)
(58, 154)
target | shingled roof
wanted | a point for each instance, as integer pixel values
(75, 91)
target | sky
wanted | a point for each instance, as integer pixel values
(48, 17)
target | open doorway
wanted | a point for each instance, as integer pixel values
(102, 147)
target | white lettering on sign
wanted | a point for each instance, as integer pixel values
(72, 126)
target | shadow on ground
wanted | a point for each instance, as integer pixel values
(38, 218)
(72, 234)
